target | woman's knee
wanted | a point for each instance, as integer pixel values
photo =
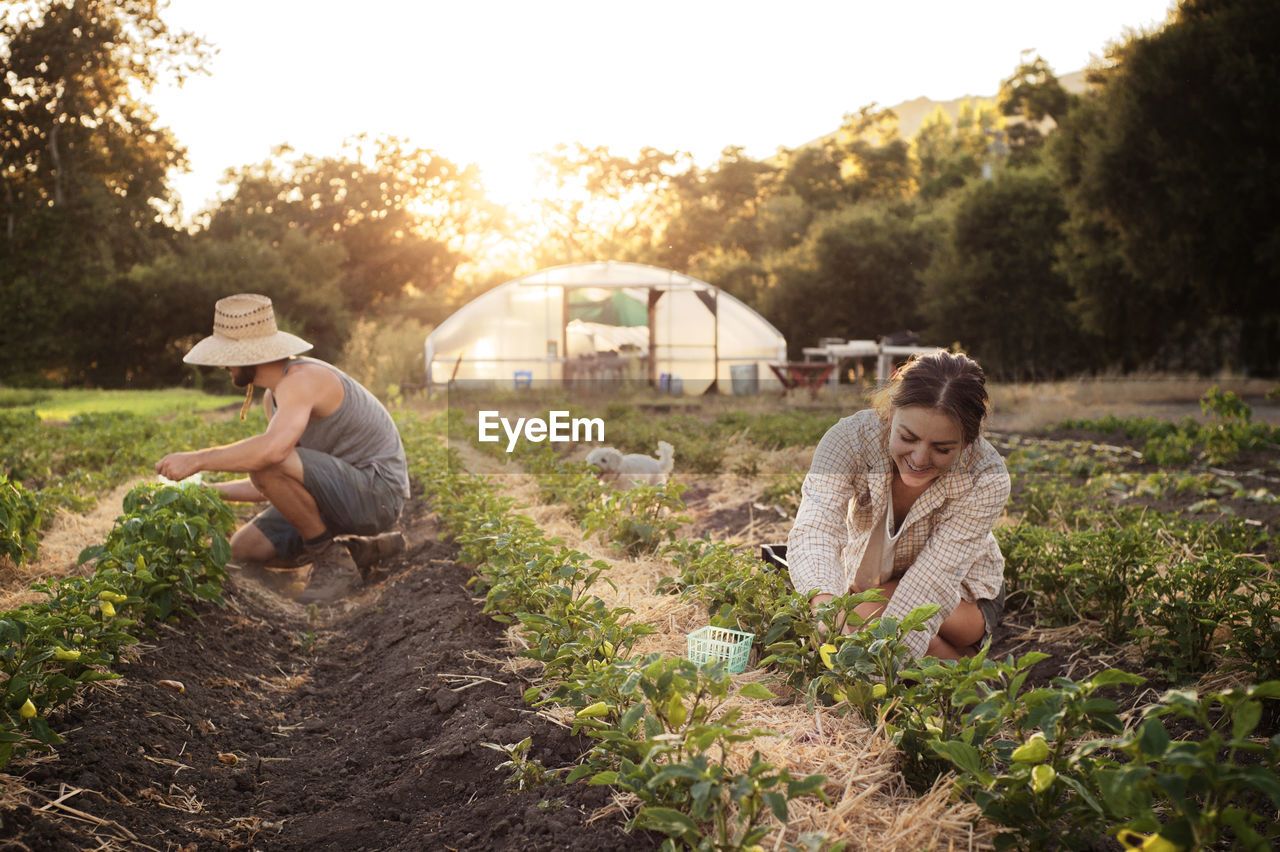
(965, 625)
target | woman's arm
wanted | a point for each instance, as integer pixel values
(819, 532)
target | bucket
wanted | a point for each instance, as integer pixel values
(745, 378)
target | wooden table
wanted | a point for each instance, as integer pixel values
(808, 374)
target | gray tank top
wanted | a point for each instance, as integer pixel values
(360, 432)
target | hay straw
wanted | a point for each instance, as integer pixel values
(67, 535)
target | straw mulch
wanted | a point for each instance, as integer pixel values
(67, 535)
(871, 805)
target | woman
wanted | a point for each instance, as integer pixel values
(902, 498)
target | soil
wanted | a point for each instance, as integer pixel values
(358, 729)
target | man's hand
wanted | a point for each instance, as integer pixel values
(178, 466)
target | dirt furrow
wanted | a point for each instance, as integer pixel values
(362, 729)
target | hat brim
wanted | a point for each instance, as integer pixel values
(219, 351)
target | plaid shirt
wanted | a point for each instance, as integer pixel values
(945, 549)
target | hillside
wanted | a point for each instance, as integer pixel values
(911, 114)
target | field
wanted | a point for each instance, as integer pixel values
(540, 628)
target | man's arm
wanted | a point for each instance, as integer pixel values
(295, 397)
(238, 491)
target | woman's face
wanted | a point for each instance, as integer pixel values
(923, 443)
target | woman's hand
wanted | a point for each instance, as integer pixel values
(815, 603)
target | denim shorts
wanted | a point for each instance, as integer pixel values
(351, 502)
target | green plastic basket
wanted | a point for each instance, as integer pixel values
(720, 643)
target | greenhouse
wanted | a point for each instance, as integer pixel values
(606, 322)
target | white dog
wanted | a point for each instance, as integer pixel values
(624, 472)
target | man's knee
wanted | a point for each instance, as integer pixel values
(248, 544)
(263, 478)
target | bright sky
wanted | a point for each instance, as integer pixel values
(494, 83)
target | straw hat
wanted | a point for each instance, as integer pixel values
(244, 333)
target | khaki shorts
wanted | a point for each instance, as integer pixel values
(351, 501)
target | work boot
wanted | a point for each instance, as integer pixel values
(334, 574)
(368, 550)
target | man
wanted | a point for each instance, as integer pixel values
(330, 462)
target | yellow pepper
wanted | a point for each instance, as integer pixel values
(1042, 777)
(825, 653)
(28, 710)
(594, 711)
(1034, 750)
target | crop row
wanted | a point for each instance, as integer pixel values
(167, 551)
(45, 467)
(1230, 431)
(662, 729)
(1090, 772)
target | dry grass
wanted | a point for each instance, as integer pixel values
(1039, 405)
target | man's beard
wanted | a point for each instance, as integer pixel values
(242, 377)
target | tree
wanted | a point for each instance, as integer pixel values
(399, 213)
(159, 310)
(1173, 163)
(876, 164)
(948, 155)
(855, 275)
(993, 285)
(83, 164)
(1032, 95)
(714, 210)
(600, 205)
(815, 174)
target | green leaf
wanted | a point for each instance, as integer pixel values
(965, 757)
(756, 690)
(1112, 677)
(666, 820)
(1082, 793)
(601, 779)
(629, 718)
(915, 619)
(777, 803)
(673, 773)
(1153, 739)
(579, 772)
(1247, 717)
(1265, 780)
(806, 785)
(1266, 689)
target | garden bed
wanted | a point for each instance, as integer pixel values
(364, 731)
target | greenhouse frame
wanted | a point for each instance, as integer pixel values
(598, 323)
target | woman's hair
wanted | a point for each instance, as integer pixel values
(950, 382)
